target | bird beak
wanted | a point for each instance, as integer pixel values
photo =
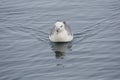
(58, 29)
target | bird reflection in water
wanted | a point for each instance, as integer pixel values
(60, 48)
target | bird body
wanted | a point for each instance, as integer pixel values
(61, 33)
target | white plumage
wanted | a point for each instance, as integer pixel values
(61, 33)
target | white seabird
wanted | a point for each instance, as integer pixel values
(61, 33)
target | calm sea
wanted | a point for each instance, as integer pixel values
(27, 54)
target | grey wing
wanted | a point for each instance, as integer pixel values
(68, 29)
(52, 31)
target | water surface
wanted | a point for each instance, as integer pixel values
(27, 54)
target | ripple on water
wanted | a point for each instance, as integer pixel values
(27, 54)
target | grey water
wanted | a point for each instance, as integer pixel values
(27, 54)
